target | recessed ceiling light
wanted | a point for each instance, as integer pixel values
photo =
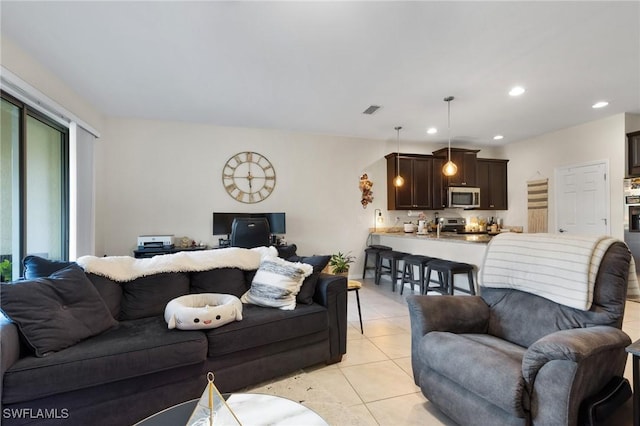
(498, 137)
(600, 104)
(432, 130)
(516, 91)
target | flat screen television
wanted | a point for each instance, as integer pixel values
(222, 222)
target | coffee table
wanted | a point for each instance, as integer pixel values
(250, 408)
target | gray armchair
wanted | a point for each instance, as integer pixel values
(508, 357)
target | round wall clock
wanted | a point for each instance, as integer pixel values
(249, 177)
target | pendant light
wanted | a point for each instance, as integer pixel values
(398, 181)
(449, 169)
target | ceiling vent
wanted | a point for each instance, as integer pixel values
(371, 109)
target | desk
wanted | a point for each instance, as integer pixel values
(141, 254)
(634, 350)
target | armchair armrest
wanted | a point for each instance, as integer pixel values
(575, 345)
(331, 292)
(455, 314)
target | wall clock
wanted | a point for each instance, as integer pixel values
(248, 177)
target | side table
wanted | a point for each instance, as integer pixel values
(634, 350)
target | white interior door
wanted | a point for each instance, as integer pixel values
(582, 199)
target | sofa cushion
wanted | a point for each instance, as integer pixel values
(261, 326)
(56, 312)
(109, 290)
(132, 349)
(221, 280)
(276, 283)
(147, 296)
(308, 289)
(39, 267)
(476, 357)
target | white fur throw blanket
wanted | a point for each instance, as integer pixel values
(560, 268)
(126, 268)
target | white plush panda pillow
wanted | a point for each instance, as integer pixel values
(204, 310)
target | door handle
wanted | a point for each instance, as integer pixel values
(562, 230)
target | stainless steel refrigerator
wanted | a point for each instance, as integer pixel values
(631, 197)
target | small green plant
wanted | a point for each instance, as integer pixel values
(5, 270)
(340, 262)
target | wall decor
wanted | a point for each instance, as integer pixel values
(367, 194)
(248, 177)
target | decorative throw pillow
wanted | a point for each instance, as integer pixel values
(308, 288)
(276, 283)
(39, 267)
(56, 312)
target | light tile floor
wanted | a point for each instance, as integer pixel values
(374, 377)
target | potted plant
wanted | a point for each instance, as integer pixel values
(5, 270)
(340, 262)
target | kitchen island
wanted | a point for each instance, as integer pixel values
(467, 248)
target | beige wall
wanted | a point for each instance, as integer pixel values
(166, 177)
(538, 158)
(31, 71)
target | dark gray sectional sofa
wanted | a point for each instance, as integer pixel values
(139, 366)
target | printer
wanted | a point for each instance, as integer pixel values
(151, 242)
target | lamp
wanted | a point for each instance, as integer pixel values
(449, 169)
(398, 180)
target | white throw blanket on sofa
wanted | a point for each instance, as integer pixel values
(557, 267)
(127, 268)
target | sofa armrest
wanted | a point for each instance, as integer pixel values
(9, 347)
(455, 314)
(331, 292)
(576, 345)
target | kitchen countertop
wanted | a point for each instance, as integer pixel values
(444, 236)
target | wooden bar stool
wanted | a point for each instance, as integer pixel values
(446, 270)
(373, 250)
(353, 285)
(392, 268)
(408, 276)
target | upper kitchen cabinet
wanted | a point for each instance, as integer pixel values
(466, 160)
(417, 191)
(633, 154)
(492, 181)
(438, 184)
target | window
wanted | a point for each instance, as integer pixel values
(34, 187)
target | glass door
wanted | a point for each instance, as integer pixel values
(34, 187)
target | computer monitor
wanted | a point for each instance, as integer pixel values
(249, 232)
(222, 222)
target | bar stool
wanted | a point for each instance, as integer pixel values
(408, 276)
(447, 269)
(393, 267)
(373, 250)
(353, 285)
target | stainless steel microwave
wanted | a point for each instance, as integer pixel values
(464, 197)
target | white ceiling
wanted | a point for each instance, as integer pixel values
(315, 66)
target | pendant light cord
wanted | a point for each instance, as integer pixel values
(448, 99)
(398, 128)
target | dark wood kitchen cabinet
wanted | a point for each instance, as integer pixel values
(417, 191)
(438, 184)
(633, 154)
(491, 178)
(466, 160)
